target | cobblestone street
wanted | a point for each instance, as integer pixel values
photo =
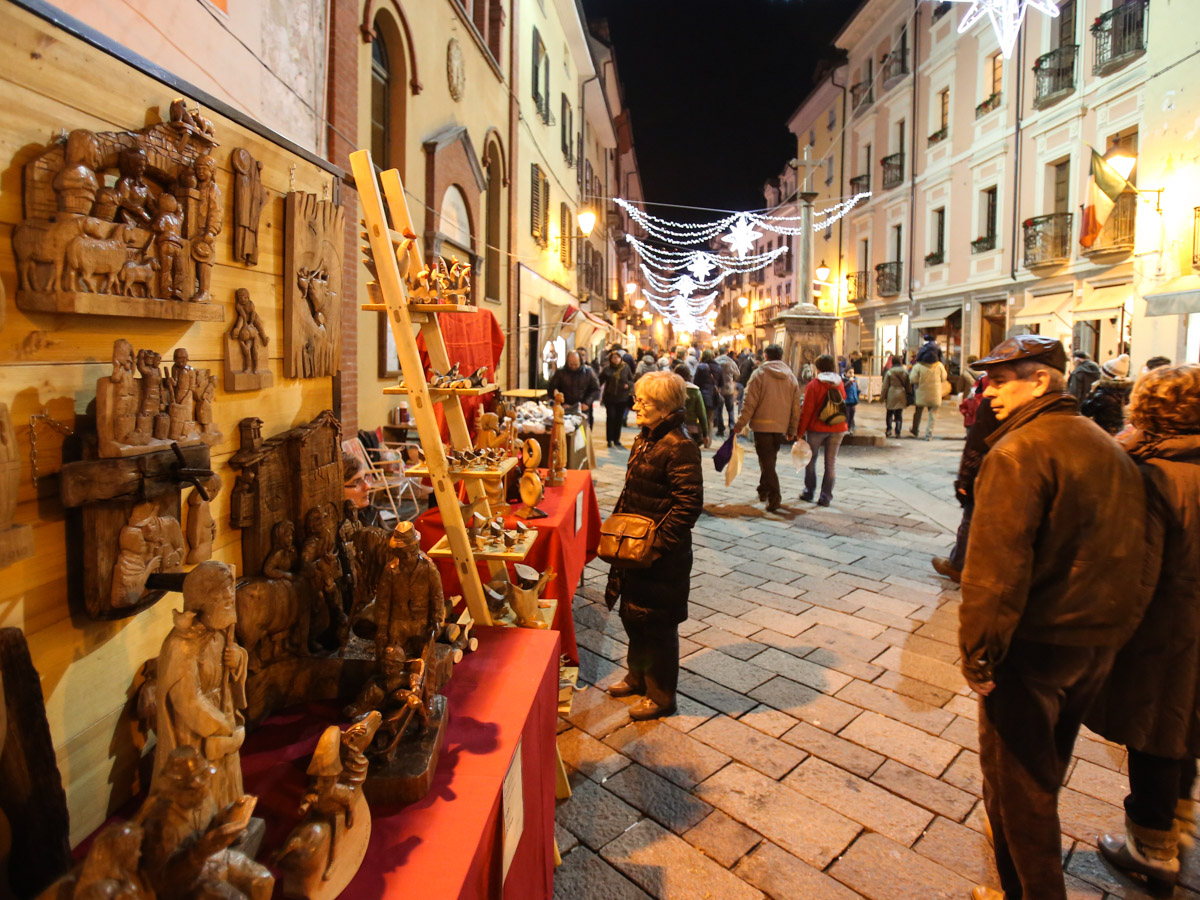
(825, 743)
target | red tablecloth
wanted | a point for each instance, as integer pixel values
(449, 844)
(472, 339)
(558, 544)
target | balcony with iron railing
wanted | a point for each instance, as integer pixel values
(938, 136)
(1196, 238)
(893, 170)
(936, 258)
(858, 287)
(1054, 73)
(860, 184)
(1048, 240)
(767, 314)
(861, 96)
(756, 276)
(782, 265)
(991, 103)
(1117, 234)
(887, 278)
(1119, 36)
(733, 280)
(895, 67)
(940, 10)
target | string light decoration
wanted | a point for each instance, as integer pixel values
(1006, 17)
(676, 277)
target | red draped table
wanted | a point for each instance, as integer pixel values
(560, 545)
(448, 845)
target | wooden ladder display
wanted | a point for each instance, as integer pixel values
(407, 319)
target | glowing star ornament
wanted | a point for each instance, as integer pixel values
(685, 285)
(700, 267)
(741, 237)
(1006, 16)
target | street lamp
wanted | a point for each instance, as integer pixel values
(631, 288)
(743, 302)
(587, 221)
(1122, 164)
(639, 303)
(822, 272)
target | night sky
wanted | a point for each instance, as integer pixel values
(710, 85)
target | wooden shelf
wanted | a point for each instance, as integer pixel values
(423, 307)
(506, 465)
(441, 550)
(445, 392)
(524, 394)
(88, 304)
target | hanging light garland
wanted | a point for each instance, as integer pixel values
(1006, 17)
(674, 276)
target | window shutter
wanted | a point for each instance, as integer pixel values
(566, 233)
(537, 63)
(545, 207)
(566, 127)
(535, 207)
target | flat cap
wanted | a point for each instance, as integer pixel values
(1037, 347)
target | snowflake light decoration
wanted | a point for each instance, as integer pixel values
(685, 286)
(741, 237)
(700, 266)
(1006, 16)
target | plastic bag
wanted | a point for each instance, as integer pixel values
(801, 454)
(735, 464)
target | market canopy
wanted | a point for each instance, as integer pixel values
(1178, 297)
(1047, 306)
(1104, 302)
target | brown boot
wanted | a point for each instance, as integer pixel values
(946, 569)
(1147, 852)
(1185, 822)
(982, 892)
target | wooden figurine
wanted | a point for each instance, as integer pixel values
(324, 851)
(150, 543)
(558, 445)
(313, 250)
(122, 223)
(246, 365)
(16, 541)
(523, 596)
(201, 686)
(409, 603)
(201, 526)
(112, 867)
(248, 199)
(530, 485)
(31, 790)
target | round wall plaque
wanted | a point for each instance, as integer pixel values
(456, 74)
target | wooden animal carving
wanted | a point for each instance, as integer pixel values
(523, 595)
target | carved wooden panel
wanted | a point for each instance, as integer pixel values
(312, 269)
(248, 199)
(246, 361)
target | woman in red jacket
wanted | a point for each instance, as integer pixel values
(823, 425)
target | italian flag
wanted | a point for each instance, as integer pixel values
(1105, 185)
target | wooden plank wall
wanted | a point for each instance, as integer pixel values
(51, 81)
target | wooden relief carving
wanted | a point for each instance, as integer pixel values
(16, 541)
(165, 405)
(249, 195)
(122, 223)
(312, 266)
(246, 362)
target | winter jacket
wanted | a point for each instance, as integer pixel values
(577, 385)
(851, 386)
(1151, 701)
(895, 388)
(1105, 405)
(703, 379)
(746, 368)
(772, 401)
(665, 483)
(814, 399)
(732, 373)
(1057, 539)
(648, 364)
(930, 351)
(974, 449)
(1084, 376)
(617, 383)
(695, 415)
(927, 380)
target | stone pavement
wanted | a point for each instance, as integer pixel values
(825, 746)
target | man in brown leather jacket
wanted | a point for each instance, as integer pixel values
(1051, 588)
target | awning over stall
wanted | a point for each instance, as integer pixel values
(1047, 306)
(1178, 297)
(1104, 302)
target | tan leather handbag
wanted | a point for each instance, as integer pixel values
(627, 540)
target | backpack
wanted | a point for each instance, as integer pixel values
(833, 410)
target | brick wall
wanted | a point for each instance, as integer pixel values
(344, 41)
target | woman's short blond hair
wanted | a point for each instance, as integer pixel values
(1166, 400)
(664, 389)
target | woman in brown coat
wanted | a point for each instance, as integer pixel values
(1151, 701)
(895, 394)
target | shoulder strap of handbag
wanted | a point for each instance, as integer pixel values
(621, 498)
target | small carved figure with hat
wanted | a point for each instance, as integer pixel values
(397, 693)
(409, 603)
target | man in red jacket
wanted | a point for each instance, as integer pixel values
(823, 425)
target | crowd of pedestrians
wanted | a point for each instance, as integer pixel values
(1078, 555)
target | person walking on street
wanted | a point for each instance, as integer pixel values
(1151, 700)
(647, 364)
(926, 378)
(850, 385)
(695, 418)
(727, 391)
(662, 482)
(746, 367)
(617, 381)
(823, 423)
(772, 409)
(983, 423)
(578, 385)
(1045, 602)
(708, 360)
(895, 396)
(1106, 403)
(703, 378)
(1084, 374)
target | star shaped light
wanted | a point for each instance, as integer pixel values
(742, 236)
(1006, 16)
(700, 266)
(685, 285)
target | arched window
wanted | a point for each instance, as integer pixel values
(492, 270)
(389, 77)
(453, 221)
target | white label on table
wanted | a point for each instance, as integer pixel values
(579, 512)
(512, 809)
